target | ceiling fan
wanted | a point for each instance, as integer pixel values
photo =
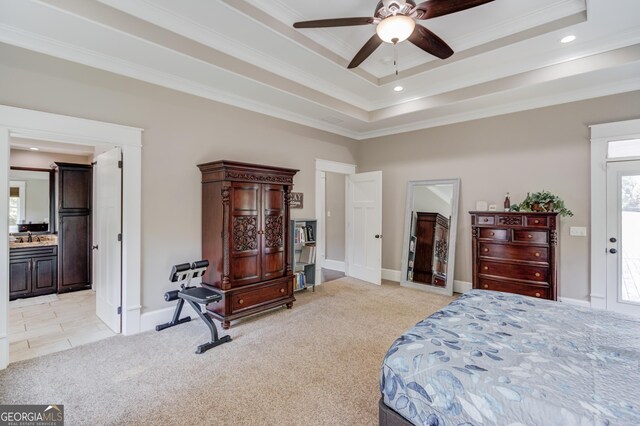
(395, 22)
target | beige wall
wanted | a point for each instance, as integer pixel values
(546, 148)
(42, 160)
(334, 203)
(180, 131)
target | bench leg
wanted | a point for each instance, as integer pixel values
(215, 340)
(176, 317)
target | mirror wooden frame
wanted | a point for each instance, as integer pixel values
(453, 228)
(52, 193)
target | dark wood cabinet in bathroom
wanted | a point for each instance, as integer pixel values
(75, 196)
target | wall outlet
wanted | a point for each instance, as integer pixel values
(578, 231)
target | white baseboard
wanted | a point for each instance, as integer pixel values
(334, 265)
(576, 302)
(461, 286)
(391, 275)
(149, 320)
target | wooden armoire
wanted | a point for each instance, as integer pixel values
(245, 237)
(432, 241)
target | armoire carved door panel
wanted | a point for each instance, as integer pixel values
(245, 226)
(273, 253)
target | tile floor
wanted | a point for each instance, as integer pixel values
(53, 323)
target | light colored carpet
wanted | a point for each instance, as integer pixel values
(316, 364)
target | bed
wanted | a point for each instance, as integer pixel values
(500, 358)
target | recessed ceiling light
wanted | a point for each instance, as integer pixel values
(33, 148)
(398, 89)
(568, 39)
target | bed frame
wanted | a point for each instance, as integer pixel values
(388, 417)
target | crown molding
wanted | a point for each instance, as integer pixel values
(618, 87)
(164, 18)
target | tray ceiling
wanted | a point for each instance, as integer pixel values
(246, 53)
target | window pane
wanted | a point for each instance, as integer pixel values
(630, 238)
(621, 149)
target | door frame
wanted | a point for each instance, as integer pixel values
(65, 129)
(601, 135)
(322, 167)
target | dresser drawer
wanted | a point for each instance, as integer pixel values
(517, 288)
(514, 271)
(537, 221)
(526, 236)
(506, 251)
(257, 296)
(494, 234)
(485, 219)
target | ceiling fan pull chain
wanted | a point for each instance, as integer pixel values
(395, 57)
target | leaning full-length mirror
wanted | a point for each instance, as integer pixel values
(429, 246)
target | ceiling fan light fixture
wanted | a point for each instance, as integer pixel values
(395, 29)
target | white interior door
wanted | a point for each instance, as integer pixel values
(623, 237)
(364, 226)
(107, 253)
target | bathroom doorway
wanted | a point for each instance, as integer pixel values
(99, 136)
(64, 271)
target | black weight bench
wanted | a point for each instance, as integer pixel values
(197, 297)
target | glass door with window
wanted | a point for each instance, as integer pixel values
(623, 233)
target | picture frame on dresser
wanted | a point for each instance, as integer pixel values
(516, 252)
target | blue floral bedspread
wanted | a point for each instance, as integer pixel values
(505, 359)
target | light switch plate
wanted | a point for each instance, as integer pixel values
(578, 231)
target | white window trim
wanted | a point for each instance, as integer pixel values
(601, 135)
(60, 128)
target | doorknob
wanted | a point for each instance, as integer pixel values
(94, 247)
(612, 239)
(613, 251)
(378, 235)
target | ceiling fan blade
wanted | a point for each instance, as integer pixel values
(368, 48)
(338, 22)
(434, 8)
(430, 43)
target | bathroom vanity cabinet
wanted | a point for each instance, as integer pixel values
(33, 271)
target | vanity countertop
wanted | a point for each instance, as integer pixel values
(38, 241)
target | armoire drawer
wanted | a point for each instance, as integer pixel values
(257, 296)
(486, 219)
(511, 287)
(537, 221)
(513, 252)
(514, 271)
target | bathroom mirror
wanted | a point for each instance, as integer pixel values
(429, 246)
(31, 200)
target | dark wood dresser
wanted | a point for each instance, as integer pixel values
(432, 239)
(515, 252)
(245, 237)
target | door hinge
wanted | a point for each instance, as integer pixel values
(119, 164)
(119, 310)
(120, 238)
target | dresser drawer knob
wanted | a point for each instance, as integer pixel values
(282, 290)
(529, 236)
(241, 301)
(486, 268)
(538, 274)
(537, 221)
(486, 250)
(486, 286)
(492, 234)
(537, 254)
(486, 219)
(537, 294)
